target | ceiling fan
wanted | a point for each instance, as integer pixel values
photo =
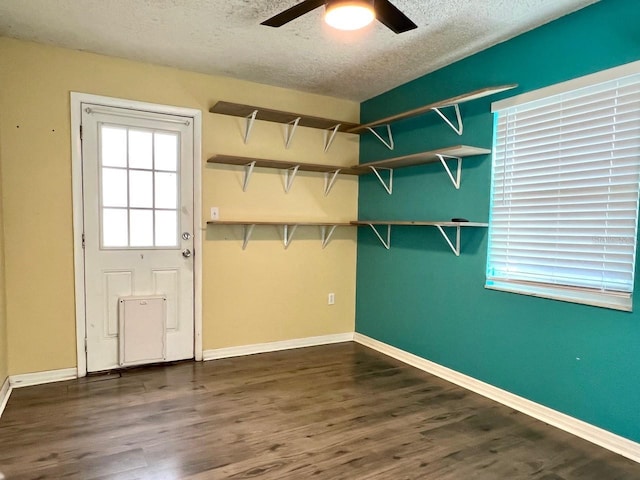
(348, 14)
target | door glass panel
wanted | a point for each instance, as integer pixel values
(113, 141)
(140, 189)
(166, 151)
(166, 228)
(114, 187)
(115, 232)
(140, 149)
(141, 227)
(166, 190)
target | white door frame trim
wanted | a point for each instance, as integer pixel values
(78, 215)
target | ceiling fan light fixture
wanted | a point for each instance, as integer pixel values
(349, 14)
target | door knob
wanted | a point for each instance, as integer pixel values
(186, 253)
(186, 236)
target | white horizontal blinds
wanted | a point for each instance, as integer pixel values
(566, 175)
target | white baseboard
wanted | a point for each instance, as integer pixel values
(276, 346)
(38, 378)
(5, 393)
(593, 434)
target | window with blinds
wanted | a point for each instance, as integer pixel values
(566, 172)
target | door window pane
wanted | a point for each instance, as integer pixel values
(166, 228)
(115, 231)
(113, 143)
(114, 187)
(140, 149)
(166, 151)
(166, 190)
(140, 189)
(141, 227)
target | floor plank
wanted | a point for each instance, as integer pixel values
(332, 412)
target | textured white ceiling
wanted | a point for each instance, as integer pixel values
(224, 37)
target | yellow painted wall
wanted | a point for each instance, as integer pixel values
(4, 359)
(263, 294)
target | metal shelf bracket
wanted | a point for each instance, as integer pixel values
(288, 231)
(387, 242)
(290, 129)
(248, 170)
(329, 136)
(326, 234)
(388, 187)
(456, 107)
(289, 176)
(455, 180)
(455, 248)
(248, 126)
(388, 144)
(329, 181)
(247, 230)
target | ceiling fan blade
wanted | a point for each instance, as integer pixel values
(392, 18)
(293, 13)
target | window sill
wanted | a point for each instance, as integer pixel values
(613, 301)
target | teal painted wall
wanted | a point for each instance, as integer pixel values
(583, 361)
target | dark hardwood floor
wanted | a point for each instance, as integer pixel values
(332, 412)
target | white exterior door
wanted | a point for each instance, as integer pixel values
(137, 178)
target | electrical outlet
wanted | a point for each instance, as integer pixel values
(215, 213)
(331, 299)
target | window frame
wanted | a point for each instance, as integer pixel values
(127, 168)
(575, 294)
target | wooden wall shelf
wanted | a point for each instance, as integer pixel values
(291, 120)
(327, 229)
(441, 155)
(331, 127)
(290, 168)
(435, 107)
(422, 158)
(289, 228)
(280, 164)
(449, 102)
(331, 171)
(454, 245)
(419, 223)
(280, 116)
